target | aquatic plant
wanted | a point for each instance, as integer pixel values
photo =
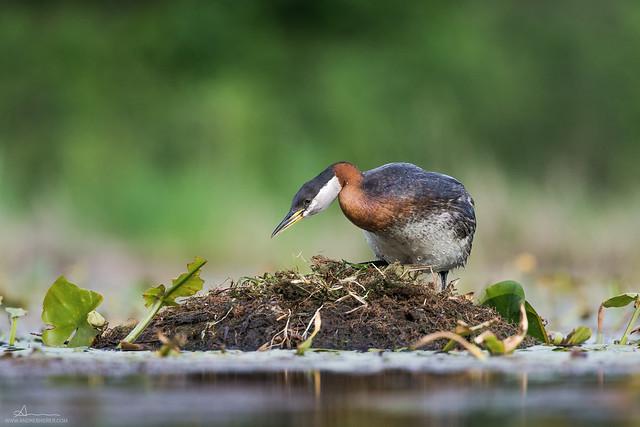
(14, 314)
(508, 345)
(170, 346)
(70, 311)
(487, 339)
(306, 344)
(506, 298)
(619, 301)
(574, 338)
(187, 284)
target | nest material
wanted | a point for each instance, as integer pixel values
(361, 306)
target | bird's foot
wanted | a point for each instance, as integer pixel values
(437, 277)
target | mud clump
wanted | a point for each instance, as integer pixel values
(362, 307)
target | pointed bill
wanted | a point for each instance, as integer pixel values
(291, 218)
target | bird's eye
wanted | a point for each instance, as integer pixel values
(306, 202)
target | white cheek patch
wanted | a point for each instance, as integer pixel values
(325, 196)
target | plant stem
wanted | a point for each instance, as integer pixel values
(12, 334)
(142, 325)
(632, 322)
(600, 338)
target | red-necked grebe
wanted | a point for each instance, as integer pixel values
(408, 215)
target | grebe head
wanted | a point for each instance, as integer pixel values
(313, 197)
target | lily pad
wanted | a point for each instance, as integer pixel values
(576, 337)
(66, 307)
(505, 297)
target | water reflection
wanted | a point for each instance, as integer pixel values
(474, 398)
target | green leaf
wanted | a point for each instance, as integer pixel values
(509, 344)
(621, 300)
(576, 337)
(84, 336)
(505, 297)
(66, 307)
(187, 284)
(556, 338)
(536, 326)
(14, 313)
(153, 294)
(493, 344)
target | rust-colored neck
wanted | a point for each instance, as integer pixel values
(368, 213)
(348, 174)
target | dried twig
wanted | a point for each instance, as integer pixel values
(304, 334)
(474, 350)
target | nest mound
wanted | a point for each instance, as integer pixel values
(361, 306)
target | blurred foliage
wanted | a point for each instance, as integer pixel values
(156, 119)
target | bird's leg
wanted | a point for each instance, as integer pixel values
(377, 263)
(443, 280)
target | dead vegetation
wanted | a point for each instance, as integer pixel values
(362, 307)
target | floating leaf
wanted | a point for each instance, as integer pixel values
(14, 313)
(578, 336)
(556, 338)
(66, 307)
(506, 297)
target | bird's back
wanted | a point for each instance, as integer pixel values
(434, 218)
(406, 181)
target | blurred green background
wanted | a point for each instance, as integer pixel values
(134, 135)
